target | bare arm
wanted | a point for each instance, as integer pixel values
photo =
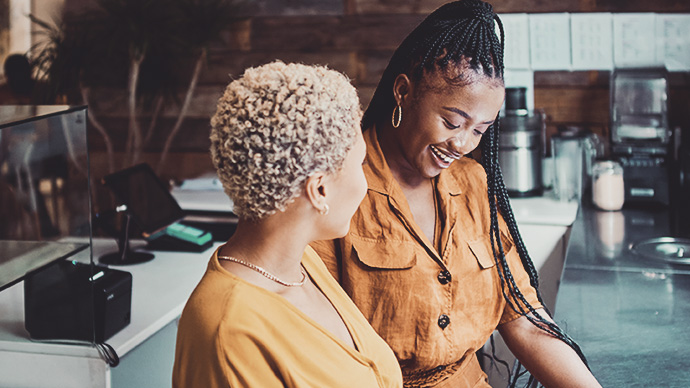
(550, 360)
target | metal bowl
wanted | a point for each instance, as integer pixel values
(667, 249)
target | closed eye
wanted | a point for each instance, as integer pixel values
(449, 125)
(482, 129)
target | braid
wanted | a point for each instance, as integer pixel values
(455, 32)
(462, 33)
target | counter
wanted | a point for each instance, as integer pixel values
(146, 346)
(630, 315)
(544, 224)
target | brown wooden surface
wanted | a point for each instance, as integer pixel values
(358, 40)
(180, 165)
(533, 6)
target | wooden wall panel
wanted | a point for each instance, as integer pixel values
(573, 105)
(112, 103)
(370, 66)
(359, 38)
(396, 7)
(192, 137)
(180, 165)
(225, 66)
(301, 7)
(314, 34)
(501, 6)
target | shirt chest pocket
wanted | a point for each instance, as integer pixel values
(481, 249)
(385, 254)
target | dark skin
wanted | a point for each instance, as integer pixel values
(440, 124)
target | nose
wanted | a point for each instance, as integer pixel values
(458, 142)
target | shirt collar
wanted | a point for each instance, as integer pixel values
(381, 180)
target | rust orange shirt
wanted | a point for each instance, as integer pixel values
(434, 307)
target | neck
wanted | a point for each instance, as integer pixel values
(273, 243)
(404, 173)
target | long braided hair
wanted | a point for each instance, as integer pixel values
(462, 34)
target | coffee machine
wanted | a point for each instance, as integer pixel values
(640, 133)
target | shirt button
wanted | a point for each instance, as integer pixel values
(444, 277)
(443, 321)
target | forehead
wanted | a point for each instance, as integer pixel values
(474, 91)
(450, 78)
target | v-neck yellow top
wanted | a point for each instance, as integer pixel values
(233, 333)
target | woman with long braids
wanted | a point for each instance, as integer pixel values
(433, 257)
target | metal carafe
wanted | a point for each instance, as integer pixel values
(520, 145)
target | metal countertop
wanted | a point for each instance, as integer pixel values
(629, 314)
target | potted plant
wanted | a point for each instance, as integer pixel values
(136, 45)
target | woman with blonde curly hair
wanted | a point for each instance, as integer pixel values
(286, 144)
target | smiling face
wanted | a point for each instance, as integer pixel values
(441, 122)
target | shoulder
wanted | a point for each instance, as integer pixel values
(223, 300)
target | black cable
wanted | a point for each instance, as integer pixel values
(106, 351)
(109, 354)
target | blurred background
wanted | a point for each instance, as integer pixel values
(152, 70)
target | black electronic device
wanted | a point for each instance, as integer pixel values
(640, 135)
(69, 300)
(646, 179)
(147, 199)
(147, 202)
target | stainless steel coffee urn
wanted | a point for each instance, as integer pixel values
(521, 146)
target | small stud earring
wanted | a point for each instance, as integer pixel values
(324, 210)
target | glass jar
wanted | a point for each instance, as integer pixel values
(608, 190)
(567, 167)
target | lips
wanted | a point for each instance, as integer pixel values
(443, 156)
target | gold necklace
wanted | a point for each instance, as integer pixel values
(266, 273)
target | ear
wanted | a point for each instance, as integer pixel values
(316, 191)
(401, 88)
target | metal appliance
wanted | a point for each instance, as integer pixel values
(640, 133)
(520, 145)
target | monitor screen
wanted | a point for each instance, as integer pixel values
(148, 200)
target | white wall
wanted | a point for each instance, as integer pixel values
(47, 10)
(22, 30)
(20, 26)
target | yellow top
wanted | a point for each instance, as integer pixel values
(233, 333)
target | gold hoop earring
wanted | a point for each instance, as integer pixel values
(396, 123)
(324, 210)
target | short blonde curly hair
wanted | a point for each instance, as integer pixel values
(274, 127)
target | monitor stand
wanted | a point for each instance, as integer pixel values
(124, 255)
